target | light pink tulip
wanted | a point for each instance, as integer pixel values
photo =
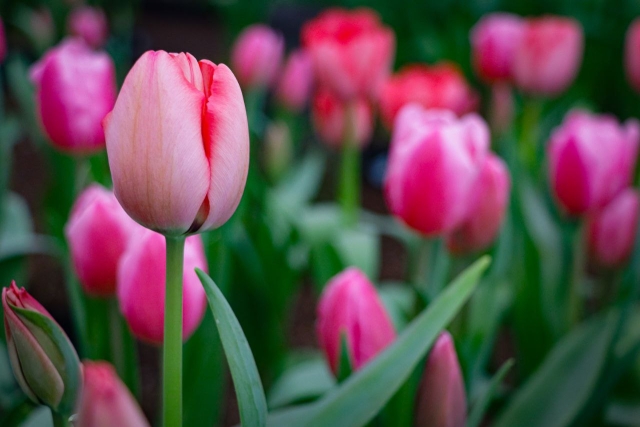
(349, 307)
(632, 54)
(296, 80)
(434, 161)
(89, 23)
(178, 143)
(3, 43)
(256, 56)
(75, 89)
(591, 159)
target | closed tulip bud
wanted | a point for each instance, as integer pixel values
(442, 401)
(178, 143)
(90, 24)
(43, 360)
(141, 285)
(296, 80)
(350, 311)
(105, 400)
(434, 162)
(549, 55)
(486, 209)
(256, 56)
(98, 232)
(352, 51)
(3, 43)
(632, 54)
(75, 89)
(591, 159)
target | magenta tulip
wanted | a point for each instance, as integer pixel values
(632, 54)
(256, 56)
(296, 80)
(89, 23)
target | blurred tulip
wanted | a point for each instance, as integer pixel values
(141, 285)
(442, 401)
(105, 400)
(178, 143)
(278, 149)
(591, 159)
(3, 43)
(549, 56)
(486, 209)
(441, 86)
(350, 309)
(611, 231)
(90, 24)
(256, 56)
(352, 51)
(294, 86)
(75, 89)
(43, 360)
(434, 161)
(632, 54)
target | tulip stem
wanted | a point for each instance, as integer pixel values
(172, 349)
(577, 273)
(59, 420)
(349, 185)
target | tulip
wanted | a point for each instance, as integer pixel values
(256, 56)
(486, 209)
(441, 86)
(632, 54)
(141, 285)
(352, 51)
(591, 160)
(178, 143)
(434, 161)
(75, 89)
(611, 231)
(350, 309)
(90, 24)
(3, 43)
(105, 400)
(43, 360)
(442, 401)
(294, 86)
(549, 55)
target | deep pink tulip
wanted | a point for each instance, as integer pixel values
(349, 307)
(434, 161)
(256, 56)
(591, 159)
(3, 43)
(89, 23)
(178, 143)
(141, 285)
(549, 56)
(105, 400)
(442, 401)
(352, 51)
(632, 54)
(75, 89)
(296, 80)
(611, 231)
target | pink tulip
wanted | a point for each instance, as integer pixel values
(442, 401)
(75, 89)
(98, 232)
(549, 55)
(105, 400)
(3, 43)
(90, 24)
(178, 143)
(591, 159)
(632, 54)
(141, 285)
(256, 56)
(352, 51)
(434, 161)
(294, 86)
(349, 307)
(611, 231)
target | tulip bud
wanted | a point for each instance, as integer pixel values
(43, 360)
(256, 56)
(278, 149)
(441, 400)
(90, 24)
(178, 143)
(591, 159)
(434, 161)
(294, 86)
(75, 89)
(105, 400)
(350, 311)
(3, 43)
(632, 54)
(141, 285)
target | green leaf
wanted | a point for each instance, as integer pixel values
(251, 401)
(303, 381)
(359, 247)
(344, 363)
(481, 405)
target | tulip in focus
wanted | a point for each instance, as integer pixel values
(350, 308)
(296, 81)
(178, 143)
(632, 54)
(256, 56)
(3, 43)
(75, 89)
(90, 24)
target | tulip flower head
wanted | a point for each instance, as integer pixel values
(256, 56)
(295, 82)
(89, 23)
(632, 54)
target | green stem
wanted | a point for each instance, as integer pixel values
(59, 420)
(574, 305)
(529, 135)
(116, 338)
(172, 349)
(349, 184)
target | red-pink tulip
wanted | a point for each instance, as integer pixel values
(352, 51)
(549, 55)
(89, 23)
(75, 89)
(178, 143)
(591, 159)
(141, 285)
(350, 309)
(632, 54)
(296, 80)
(256, 56)
(434, 161)
(105, 400)
(611, 231)
(3, 43)
(442, 401)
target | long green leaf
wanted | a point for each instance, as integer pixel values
(480, 407)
